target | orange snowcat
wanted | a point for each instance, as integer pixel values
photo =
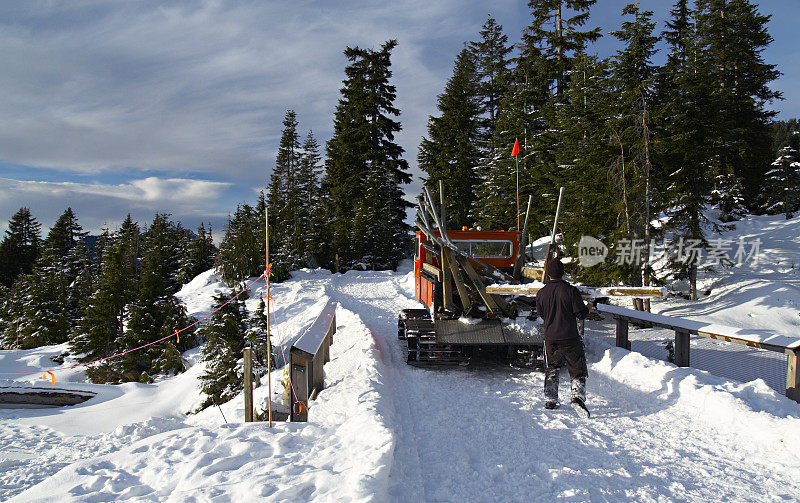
(461, 323)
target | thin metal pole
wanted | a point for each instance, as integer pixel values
(441, 203)
(269, 338)
(553, 234)
(516, 161)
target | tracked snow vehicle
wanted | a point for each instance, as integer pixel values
(461, 321)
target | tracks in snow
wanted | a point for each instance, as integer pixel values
(482, 434)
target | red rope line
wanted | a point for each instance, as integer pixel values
(143, 345)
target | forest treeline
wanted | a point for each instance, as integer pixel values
(691, 142)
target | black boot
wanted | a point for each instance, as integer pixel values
(579, 397)
(551, 389)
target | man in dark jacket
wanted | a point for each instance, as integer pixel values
(560, 305)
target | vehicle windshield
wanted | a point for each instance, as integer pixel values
(485, 248)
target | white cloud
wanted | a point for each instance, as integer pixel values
(202, 87)
(104, 205)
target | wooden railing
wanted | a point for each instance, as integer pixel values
(307, 357)
(684, 328)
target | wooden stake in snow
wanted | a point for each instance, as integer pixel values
(248, 385)
(269, 339)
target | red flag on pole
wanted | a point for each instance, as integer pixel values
(515, 150)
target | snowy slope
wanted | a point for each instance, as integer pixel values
(384, 431)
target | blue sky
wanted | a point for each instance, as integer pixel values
(115, 106)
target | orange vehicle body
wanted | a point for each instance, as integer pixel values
(495, 248)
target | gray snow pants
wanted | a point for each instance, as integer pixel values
(557, 354)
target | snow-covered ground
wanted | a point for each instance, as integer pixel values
(384, 431)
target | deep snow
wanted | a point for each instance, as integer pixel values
(382, 430)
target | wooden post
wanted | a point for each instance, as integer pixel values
(523, 243)
(463, 295)
(681, 348)
(646, 304)
(622, 334)
(248, 385)
(793, 374)
(269, 338)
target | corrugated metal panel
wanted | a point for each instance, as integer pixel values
(456, 332)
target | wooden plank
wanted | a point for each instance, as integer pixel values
(681, 348)
(633, 291)
(763, 339)
(432, 269)
(495, 305)
(447, 285)
(528, 289)
(793, 375)
(532, 272)
(622, 333)
(457, 279)
(298, 374)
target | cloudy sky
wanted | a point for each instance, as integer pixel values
(151, 106)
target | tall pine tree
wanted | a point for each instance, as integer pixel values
(451, 152)
(55, 289)
(155, 312)
(365, 168)
(100, 329)
(783, 180)
(20, 246)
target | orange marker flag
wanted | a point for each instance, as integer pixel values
(52, 377)
(515, 150)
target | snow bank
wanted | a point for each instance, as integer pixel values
(343, 453)
(752, 412)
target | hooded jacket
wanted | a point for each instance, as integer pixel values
(560, 305)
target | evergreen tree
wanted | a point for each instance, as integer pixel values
(689, 113)
(539, 82)
(20, 246)
(783, 180)
(590, 204)
(556, 27)
(225, 336)
(365, 168)
(451, 153)
(634, 81)
(731, 36)
(521, 117)
(311, 210)
(199, 256)
(257, 335)
(154, 311)
(782, 131)
(47, 301)
(241, 253)
(494, 75)
(287, 200)
(100, 329)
